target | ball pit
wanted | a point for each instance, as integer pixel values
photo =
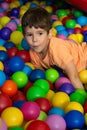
(48, 93)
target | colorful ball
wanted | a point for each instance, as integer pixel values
(3, 125)
(60, 99)
(70, 23)
(38, 125)
(16, 128)
(52, 75)
(20, 78)
(56, 122)
(10, 88)
(2, 78)
(30, 110)
(4, 20)
(16, 63)
(74, 119)
(16, 37)
(83, 76)
(12, 116)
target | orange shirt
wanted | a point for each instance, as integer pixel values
(60, 53)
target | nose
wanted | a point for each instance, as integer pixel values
(34, 38)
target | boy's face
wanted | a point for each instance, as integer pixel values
(38, 39)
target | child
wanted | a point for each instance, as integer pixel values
(47, 50)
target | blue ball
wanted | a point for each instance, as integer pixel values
(16, 63)
(25, 45)
(74, 120)
(57, 111)
(37, 74)
(2, 78)
(18, 103)
(3, 55)
(82, 20)
(9, 44)
(27, 70)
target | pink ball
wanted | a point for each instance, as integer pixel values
(12, 26)
(31, 110)
(1, 14)
(62, 36)
(5, 5)
(2, 124)
(56, 122)
(61, 81)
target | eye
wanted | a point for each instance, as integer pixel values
(40, 33)
(28, 34)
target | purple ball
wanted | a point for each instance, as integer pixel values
(5, 33)
(67, 88)
(70, 30)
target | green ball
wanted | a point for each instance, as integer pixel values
(62, 12)
(83, 92)
(70, 23)
(42, 116)
(16, 128)
(77, 13)
(77, 97)
(20, 78)
(52, 75)
(35, 92)
(43, 84)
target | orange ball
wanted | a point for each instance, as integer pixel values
(10, 88)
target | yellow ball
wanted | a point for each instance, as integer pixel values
(4, 20)
(74, 106)
(73, 37)
(49, 9)
(79, 37)
(86, 119)
(56, 23)
(50, 94)
(16, 37)
(1, 66)
(60, 99)
(54, 32)
(3, 48)
(83, 76)
(12, 116)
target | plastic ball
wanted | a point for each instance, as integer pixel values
(12, 25)
(74, 106)
(1, 66)
(62, 12)
(10, 88)
(7, 70)
(38, 125)
(43, 84)
(50, 94)
(4, 20)
(44, 104)
(60, 81)
(9, 44)
(16, 128)
(15, 12)
(57, 111)
(2, 78)
(60, 99)
(18, 103)
(5, 102)
(20, 78)
(73, 37)
(37, 74)
(3, 125)
(24, 54)
(27, 70)
(52, 75)
(16, 63)
(25, 44)
(62, 36)
(5, 33)
(16, 37)
(30, 110)
(12, 52)
(34, 93)
(70, 23)
(12, 116)
(82, 20)
(56, 122)
(42, 116)
(78, 97)
(83, 76)
(4, 5)
(74, 119)
(67, 88)
(77, 13)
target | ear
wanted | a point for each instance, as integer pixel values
(50, 33)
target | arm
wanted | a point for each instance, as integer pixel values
(72, 74)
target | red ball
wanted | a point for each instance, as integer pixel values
(12, 51)
(38, 125)
(85, 107)
(5, 101)
(24, 54)
(44, 104)
(67, 18)
(78, 30)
